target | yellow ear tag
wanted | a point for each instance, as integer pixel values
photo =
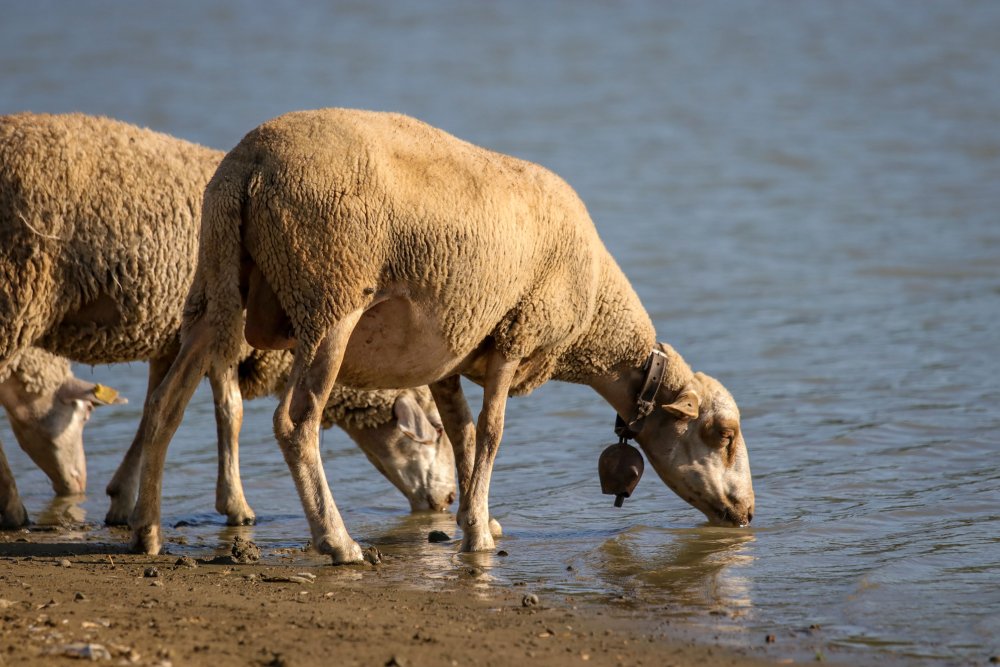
(105, 394)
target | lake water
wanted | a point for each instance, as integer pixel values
(806, 197)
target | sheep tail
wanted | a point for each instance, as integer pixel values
(215, 292)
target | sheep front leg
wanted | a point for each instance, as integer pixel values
(12, 512)
(160, 419)
(461, 430)
(296, 425)
(476, 531)
(124, 485)
(229, 498)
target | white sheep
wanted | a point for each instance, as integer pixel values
(99, 225)
(389, 253)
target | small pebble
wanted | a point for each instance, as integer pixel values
(438, 536)
(186, 561)
(770, 639)
(151, 572)
(995, 659)
(502, 553)
(64, 563)
(473, 572)
(79, 596)
(395, 661)
(529, 600)
(570, 568)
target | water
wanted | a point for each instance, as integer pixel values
(804, 195)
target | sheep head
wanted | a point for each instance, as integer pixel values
(694, 442)
(413, 452)
(49, 427)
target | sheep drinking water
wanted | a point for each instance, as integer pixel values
(370, 243)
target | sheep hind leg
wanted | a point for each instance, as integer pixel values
(160, 419)
(461, 429)
(296, 425)
(229, 498)
(124, 485)
(477, 534)
(12, 512)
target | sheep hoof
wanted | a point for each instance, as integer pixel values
(116, 518)
(344, 555)
(474, 538)
(118, 514)
(241, 519)
(146, 540)
(14, 517)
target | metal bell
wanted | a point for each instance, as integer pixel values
(620, 468)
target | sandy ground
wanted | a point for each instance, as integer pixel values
(61, 602)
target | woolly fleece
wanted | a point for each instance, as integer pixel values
(337, 204)
(95, 211)
(96, 214)
(38, 371)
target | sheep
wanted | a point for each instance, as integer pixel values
(99, 225)
(399, 430)
(387, 252)
(47, 408)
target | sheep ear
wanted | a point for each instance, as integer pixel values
(75, 389)
(412, 420)
(685, 406)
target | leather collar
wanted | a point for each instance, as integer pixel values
(654, 367)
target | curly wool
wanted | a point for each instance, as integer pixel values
(337, 203)
(93, 212)
(96, 216)
(37, 370)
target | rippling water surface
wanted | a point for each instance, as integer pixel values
(804, 195)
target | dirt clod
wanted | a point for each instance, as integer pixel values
(438, 536)
(151, 572)
(529, 600)
(277, 660)
(244, 551)
(372, 555)
(186, 561)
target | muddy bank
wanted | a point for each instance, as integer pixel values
(63, 601)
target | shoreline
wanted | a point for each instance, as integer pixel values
(65, 600)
